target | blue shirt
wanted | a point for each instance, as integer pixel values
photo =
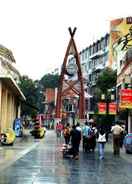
(85, 130)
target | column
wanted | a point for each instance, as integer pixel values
(0, 102)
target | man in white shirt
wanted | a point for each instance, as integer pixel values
(116, 130)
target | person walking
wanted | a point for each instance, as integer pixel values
(75, 141)
(101, 135)
(78, 127)
(66, 133)
(116, 131)
(93, 136)
(85, 131)
(59, 128)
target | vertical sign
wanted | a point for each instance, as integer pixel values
(126, 98)
(112, 108)
(101, 108)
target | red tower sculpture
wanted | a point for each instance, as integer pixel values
(71, 85)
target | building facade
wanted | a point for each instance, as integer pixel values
(10, 94)
(93, 60)
(121, 54)
(113, 50)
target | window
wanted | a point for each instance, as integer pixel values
(95, 62)
(99, 45)
(82, 56)
(102, 43)
(90, 64)
(90, 50)
(121, 62)
(107, 40)
(105, 58)
(86, 54)
(100, 60)
(96, 47)
(90, 77)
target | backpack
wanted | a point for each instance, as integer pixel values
(90, 133)
(102, 138)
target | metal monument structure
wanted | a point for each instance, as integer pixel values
(67, 86)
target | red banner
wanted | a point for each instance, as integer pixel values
(126, 98)
(101, 108)
(112, 108)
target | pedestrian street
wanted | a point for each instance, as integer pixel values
(45, 164)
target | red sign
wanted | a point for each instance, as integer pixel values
(112, 108)
(126, 98)
(102, 108)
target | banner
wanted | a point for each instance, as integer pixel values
(125, 98)
(101, 108)
(112, 108)
(120, 45)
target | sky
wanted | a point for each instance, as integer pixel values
(37, 30)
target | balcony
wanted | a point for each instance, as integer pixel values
(99, 53)
(99, 67)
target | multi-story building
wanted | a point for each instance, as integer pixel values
(114, 50)
(98, 59)
(10, 94)
(93, 60)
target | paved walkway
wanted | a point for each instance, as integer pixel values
(44, 165)
(9, 154)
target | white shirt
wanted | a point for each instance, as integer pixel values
(78, 128)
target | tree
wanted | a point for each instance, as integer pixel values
(33, 91)
(50, 81)
(29, 89)
(106, 80)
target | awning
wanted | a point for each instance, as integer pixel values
(10, 82)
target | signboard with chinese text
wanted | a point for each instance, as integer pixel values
(125, 98)
(112, 108)
(120, 45)
(101, 108)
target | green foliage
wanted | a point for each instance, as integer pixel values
(106, 80)
(29, 89)
(50, 81)
(105, 121)
(33, 91)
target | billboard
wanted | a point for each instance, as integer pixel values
(120, 47)
(125, 98)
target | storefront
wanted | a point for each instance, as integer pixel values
(10, 101)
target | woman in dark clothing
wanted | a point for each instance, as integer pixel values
(66, 133)
(75, 141)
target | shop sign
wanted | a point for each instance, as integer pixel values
(101, 108)
(112, 108)
(126, 98)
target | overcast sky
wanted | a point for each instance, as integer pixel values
(36, 30)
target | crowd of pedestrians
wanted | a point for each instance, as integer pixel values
(90, 136)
